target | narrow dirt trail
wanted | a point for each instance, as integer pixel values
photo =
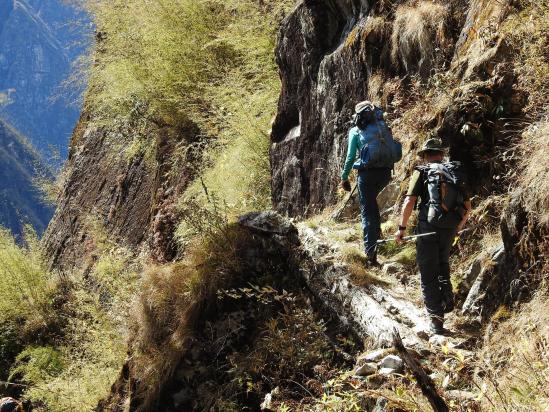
(373, 301)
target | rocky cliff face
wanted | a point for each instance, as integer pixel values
(37, 48)
(333, 54)
(442, 67)
(131, 195)
(454, 78)
(20, 201)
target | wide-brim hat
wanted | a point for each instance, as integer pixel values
(433, 144)
(365, 105)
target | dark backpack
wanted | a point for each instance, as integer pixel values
(446, 186)
(379, 148)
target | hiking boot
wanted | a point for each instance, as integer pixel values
(448, 304)
(371, 259)
(447, 295)
(437, 325)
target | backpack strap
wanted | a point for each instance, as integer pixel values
(422, 169)
(381, 137)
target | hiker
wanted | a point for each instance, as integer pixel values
(444, 209)
(10, 405)
(372, 139)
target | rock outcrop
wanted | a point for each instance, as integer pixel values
(277, 262)
(333, 54)
(128, 195)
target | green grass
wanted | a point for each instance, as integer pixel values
(26, 287)
(63, 337)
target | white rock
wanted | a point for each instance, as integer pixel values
(436, 376)
(391, 362)
(374, 356)
(266, 404)
(388, 371)
(391, 268)
(366, 369)
(438, 340)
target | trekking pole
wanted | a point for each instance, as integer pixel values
(417, 236)
(337, 215)
(405, 238)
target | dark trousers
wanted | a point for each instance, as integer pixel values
(433, 253)
(370, 183)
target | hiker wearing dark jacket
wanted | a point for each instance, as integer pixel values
(370, 128)
(433, 252)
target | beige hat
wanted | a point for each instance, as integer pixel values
(365, 105)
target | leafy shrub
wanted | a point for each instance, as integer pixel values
(26, 286)
(36, 364)
(291, 344)
(74, 359)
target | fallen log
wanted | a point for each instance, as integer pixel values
(423, 380)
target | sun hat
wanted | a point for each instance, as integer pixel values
(365, 105)
(433, 144)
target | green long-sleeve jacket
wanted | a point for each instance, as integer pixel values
(353, 148)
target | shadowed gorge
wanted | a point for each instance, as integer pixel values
(20, 166)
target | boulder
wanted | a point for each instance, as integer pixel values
(374, 356)
(391, 362)
(486, 283)
(365, 369)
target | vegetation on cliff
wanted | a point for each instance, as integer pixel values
(209, 63)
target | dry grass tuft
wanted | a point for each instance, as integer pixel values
(357, 265)
(514, 368)
(419, 37)
(535, 175)
(527, 31)
(176, 299)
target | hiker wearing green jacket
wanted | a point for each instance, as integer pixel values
(372, 140)
(433, 252)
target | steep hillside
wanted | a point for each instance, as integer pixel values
(20, 166)
(146, 135)
(37, 48)
(455, 73)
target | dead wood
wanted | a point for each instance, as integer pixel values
(423, 380)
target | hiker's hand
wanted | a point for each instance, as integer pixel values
(346, 185)
(399, 235)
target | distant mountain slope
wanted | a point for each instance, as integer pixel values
(20, 202)
(38, 43)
